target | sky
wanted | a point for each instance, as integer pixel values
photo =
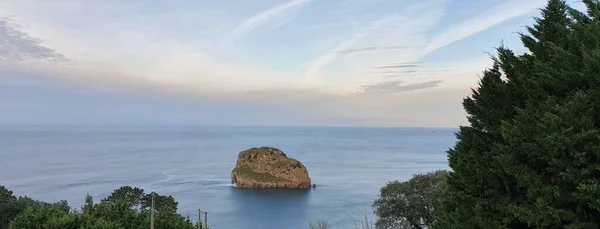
(259, 62)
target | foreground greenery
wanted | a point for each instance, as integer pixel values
(125, 208)
(412, 203)
(530, 157)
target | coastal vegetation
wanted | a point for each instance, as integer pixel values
(125, 208)
(411, 204)
(529, 158)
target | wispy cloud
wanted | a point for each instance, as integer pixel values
(403, 29)
(16, 45)
(263, 17)
(372, 49)
(398, 86)
(407, 72)
(403, 65)
(496, 15)
(356, 57)
(316, 64)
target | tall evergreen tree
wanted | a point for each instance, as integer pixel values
(476, 185)
(530, 157)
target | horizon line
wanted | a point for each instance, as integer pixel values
(224, 125)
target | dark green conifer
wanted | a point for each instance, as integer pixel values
(531, 155)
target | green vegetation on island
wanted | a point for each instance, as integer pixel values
(244, 171)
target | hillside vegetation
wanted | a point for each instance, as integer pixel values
(125, 208)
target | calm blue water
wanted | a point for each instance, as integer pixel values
(193, 164)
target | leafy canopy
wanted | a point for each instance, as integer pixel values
(411, 204)
(126, 208)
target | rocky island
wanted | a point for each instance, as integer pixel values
(268, 167)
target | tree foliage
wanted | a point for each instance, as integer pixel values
(124, 208)
(7, 208)
(410, 204)
(12, 206)
(530, 157)
(319, 224)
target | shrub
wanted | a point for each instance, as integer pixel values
(411, 204)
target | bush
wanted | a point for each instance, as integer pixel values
(38, 216)
(125, 208)
(411, 204)
(12, 206)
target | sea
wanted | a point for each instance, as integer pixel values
(349, 165)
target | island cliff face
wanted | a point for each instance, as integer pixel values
(268, 167)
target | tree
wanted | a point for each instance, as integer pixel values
(319, 224)
(130, 207)
(161, 203)
(126, 207)
(36, 217)
(410, 204)
(7, 209)
(137, 199)
(530, 157)
(54, 216)
(77, 221)
(12, 206)
(132, 197)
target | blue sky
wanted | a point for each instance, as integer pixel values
(260, 62)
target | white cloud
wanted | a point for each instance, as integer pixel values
(404, 28)
(399, 86)
(120, 54)
(315, 65)
(409, 28)
(16, 45)
(128, 48)
(483, 21)
(265, 16)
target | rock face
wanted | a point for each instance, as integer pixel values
(268, 167)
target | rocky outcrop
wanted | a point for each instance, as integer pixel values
(268, 167)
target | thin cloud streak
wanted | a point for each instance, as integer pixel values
(404, 65)
(406, 72)
(404, 28)
(398, 86)
(373, 49)
(501, 13)
(263, 17)
(316, 64)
